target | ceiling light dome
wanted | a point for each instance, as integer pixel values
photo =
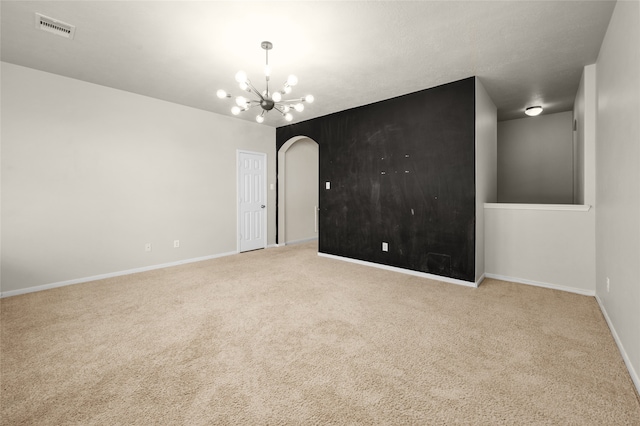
(533, 110)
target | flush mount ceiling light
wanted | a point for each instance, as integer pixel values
(533, 110)
(267, 100)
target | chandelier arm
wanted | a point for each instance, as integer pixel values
(292, 100)
(250, 105)
(254, 90)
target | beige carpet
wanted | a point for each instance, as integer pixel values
(282, 336)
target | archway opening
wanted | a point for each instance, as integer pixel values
(298, 174)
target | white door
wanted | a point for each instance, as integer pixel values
(252, 197)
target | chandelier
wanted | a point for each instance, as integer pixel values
(267, 100)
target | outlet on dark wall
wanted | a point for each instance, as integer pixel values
(402, 171)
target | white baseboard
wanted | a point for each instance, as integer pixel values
(110, 275)
(542, 284)
(405, 271)
(479, 281)
(625, 357)
(306, 240)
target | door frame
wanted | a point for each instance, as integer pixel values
(265, 193)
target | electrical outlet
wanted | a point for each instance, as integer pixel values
(176, 243)
(147, 247)
(385, 246)
(608, 284)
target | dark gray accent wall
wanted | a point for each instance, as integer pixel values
(402, 171)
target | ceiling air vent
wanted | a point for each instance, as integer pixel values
(54, 26)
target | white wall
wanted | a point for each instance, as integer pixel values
(90, 174)
(578, 143)
(584, 113)
(545, 245)
(301, 191)
(1, 186)
(486, 161)
(535, 159)
(618, 180)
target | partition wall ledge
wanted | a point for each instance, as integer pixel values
(548, 207)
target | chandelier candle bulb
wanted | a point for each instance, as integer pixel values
(266, 99)
(241, 77)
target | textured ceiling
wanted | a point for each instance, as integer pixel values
(345, 53)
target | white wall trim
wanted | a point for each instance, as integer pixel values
(305, 240)
(541, 284)
(405, 271)
(550, 207)
(110, 275)
(625, 357)
(479, 281)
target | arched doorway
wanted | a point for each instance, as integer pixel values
(298, 161)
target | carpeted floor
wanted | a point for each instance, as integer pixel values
(282, 336)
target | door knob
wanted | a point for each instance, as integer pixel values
(262, 206)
